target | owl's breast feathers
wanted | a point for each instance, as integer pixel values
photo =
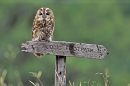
(43, 30)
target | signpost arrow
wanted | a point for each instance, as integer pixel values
(66, 49)
(62, 49)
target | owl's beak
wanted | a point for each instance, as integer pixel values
(43, 16)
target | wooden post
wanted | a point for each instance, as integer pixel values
(62, 49)
(60, 71)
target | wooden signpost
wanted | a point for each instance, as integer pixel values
(61, 49)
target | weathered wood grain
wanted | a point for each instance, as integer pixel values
(60, 71)
(66, 49)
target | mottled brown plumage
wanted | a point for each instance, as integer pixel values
(43, 26)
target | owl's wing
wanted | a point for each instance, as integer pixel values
(37, 34)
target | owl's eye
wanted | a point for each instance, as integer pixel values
(40, 13)
(47, 13)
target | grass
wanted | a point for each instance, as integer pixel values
(105, 76)
(36, 75)
(2, 77)
(105, 82)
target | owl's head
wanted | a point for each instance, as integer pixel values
(44, 14)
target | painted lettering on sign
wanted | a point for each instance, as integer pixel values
(68, 48)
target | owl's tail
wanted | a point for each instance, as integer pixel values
(38, 55)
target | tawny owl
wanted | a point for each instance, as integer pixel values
(43, 26)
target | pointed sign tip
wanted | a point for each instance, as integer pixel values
(107, 52)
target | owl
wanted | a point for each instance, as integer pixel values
(43, 26)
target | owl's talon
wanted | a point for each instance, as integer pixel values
(34, 39)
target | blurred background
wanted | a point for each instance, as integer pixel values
(86, 21)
